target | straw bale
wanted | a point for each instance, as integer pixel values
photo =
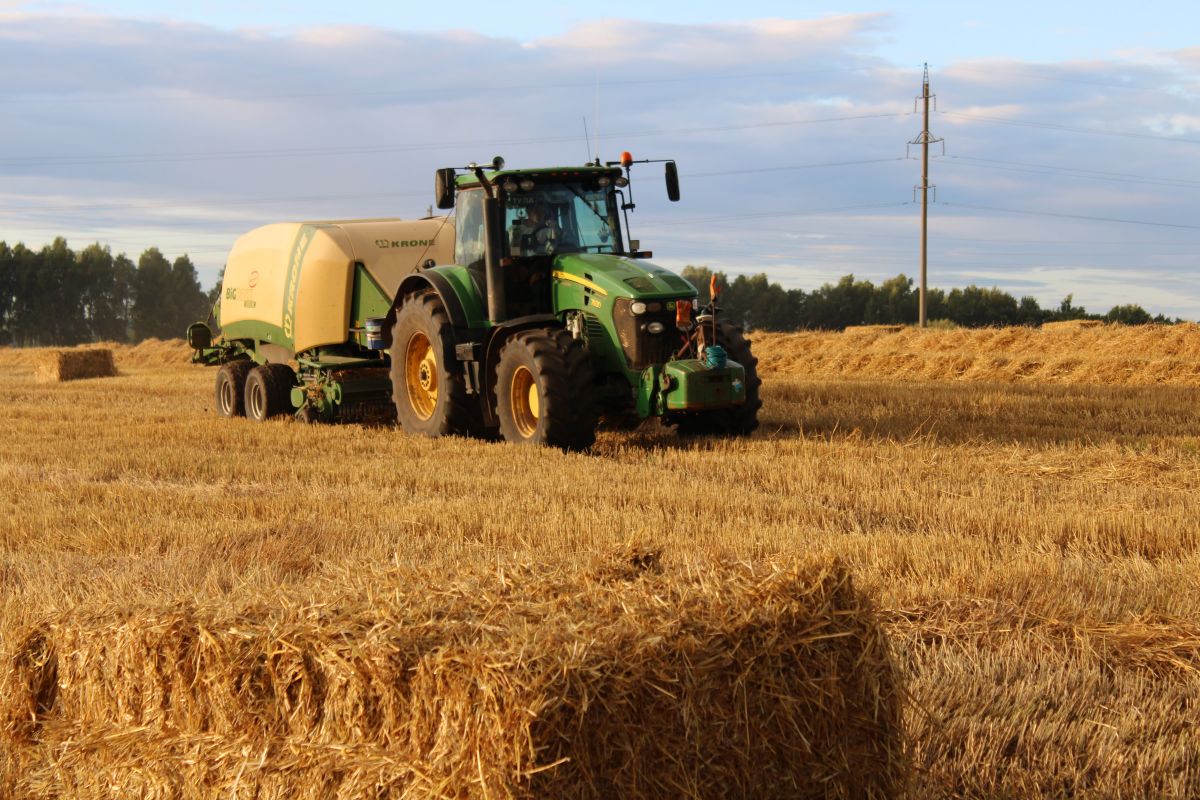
(730, 680)
(54, 366)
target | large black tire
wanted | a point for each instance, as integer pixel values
(431, 398)
(544, 390)
(269, 391)
(231, 388)
(738, 420)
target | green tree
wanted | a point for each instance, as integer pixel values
(154, 304)
(7, 293)
(1029, 312)
(214, 294)
(124, 290)
(699, 278)
(60, 284)
(976, 307)
(191, 303)
(1131, 314)
(1068, 310)
(102, 300)
(836, 306)
(894, 302)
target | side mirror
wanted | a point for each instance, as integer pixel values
(443, 187)
(672, 182)
(199, 336)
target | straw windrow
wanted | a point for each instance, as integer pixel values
(1064, 353)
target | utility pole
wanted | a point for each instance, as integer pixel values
(925, 139)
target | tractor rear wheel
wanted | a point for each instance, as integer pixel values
(738, 420)
(269, 391)
(544, 392)
(231, 388)
(430, 399)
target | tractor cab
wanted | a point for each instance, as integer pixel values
(541, 215)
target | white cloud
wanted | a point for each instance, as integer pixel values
(182, 136)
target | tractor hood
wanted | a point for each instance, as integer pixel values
(620, 276)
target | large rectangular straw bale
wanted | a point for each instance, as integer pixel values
(54, 366)
(524, 682)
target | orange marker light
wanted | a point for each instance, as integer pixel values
(713, 289)
(683, 314)
(626, 159)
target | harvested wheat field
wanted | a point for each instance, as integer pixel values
(1005, 565)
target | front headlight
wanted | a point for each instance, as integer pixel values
(638, 307)
(655, 327)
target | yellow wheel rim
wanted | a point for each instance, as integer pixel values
(523, 398)
(420, 375)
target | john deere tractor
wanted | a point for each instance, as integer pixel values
(528, 313)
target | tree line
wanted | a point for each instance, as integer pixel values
(56, 296)
(763, 305)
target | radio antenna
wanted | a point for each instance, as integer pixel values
(597, 118)
(587, 142)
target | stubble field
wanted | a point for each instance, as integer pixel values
(1019, 506)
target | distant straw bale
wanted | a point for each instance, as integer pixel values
(55, 366)
(519, 682)
(1069, 353)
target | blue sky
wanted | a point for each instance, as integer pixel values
(1071, 136)
(934, 32)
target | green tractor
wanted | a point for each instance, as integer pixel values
(528, 313)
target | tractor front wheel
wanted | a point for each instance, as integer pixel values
(430, 399)
(544, 392)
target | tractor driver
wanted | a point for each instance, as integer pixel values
(535, 234)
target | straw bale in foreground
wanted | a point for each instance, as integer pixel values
(54, 366)
(523, 682)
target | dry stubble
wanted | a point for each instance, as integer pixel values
(1032, 547)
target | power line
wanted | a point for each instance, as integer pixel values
(1073, 216)
(991, 72)
(138, 158)
(185, 204)
(1051, 169)
(1068, 128)
(814, 212)
(758, 170)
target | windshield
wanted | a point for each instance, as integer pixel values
(575, 217)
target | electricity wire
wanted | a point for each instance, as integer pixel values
(1069, 128)
(147, 158)
(1083, 217)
